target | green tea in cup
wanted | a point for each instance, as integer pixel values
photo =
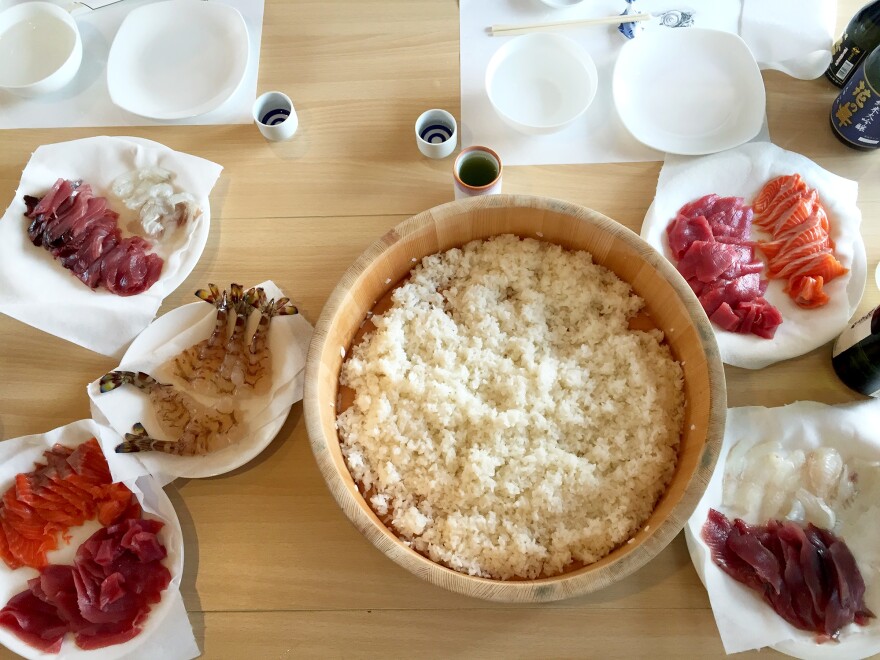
(477, 171)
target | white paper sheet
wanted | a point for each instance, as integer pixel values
(263, 416)
(599, 136)
(167, 632)
(86, 100)
(742, 172)
(744, 620)
(36, 289)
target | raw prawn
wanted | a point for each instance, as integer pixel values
(150, 192)
(198, 429)
(197, 364)
(232, 370)
(258, 372)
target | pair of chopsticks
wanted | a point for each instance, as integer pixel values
(510, 30)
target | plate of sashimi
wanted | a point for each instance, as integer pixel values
(86, 565)
(768, 241)
(206, 387)
(100, 230)
(785, 538)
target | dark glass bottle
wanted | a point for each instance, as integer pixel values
(861, 36)
(856, 355)
(855, 113)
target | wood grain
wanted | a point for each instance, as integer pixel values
(273, 568)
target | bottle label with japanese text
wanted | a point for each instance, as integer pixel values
(845, 57)
(855, 113)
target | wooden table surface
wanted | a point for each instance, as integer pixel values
(273, 568)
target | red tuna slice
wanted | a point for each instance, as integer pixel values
(709, 261)
(34, 622)
(801, 601)
(732, 223)
(88, 461)
(739, 290)
(127, 270)
(725, 318)
(715, 533)
(99, 637)
(761, 559)
(61, 190)
(684, 230)
(703, 206)
(767, 318)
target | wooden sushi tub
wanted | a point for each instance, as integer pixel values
(669, 302)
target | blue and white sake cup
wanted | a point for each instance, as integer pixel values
(275, 116)
(436, 133)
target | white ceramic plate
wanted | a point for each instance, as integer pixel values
(742, 172)
(694, 91)
(19, 455)
(164, 338)
(177, 59)
(854, 431)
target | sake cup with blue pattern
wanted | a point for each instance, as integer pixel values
(436, 133)
(275, 116)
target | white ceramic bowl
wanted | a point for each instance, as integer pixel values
(561, 4)
(40, 48)
(540, 83)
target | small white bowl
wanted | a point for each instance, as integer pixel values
(540, 83)
(561, 4)
(40, 48)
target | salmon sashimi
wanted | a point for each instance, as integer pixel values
(801, 250)
(824, 265)
(72, 486)
(781, 186)
(795, 214)
(807, 291)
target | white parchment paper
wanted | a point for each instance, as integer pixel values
(172, 333)
(166, 632)
(86, 100)
(36, 289)
(742, 172)
(744, 620)
(794, 36)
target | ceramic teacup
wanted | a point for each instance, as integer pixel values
(436, 133)
(477, 171)
(275, 116)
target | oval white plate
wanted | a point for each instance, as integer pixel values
(20, 456)
(177, 59)
(742, 172)
(163, 339)
(691, 92)
(851, 429)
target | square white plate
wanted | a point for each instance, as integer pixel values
(691, 92)
(177, 59)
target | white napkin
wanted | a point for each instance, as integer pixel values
(167, 632)
(599, 136)
(263, 416)
(86, 100)
(744, 620)
(36, 289)
(780, 37)
(743, 172)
